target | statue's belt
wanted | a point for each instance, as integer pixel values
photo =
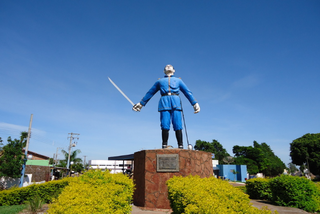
(169, 94)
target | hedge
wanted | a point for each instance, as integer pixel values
(293, 191)
(95, 192)
(47, 191)
(193, 194)
(258, 188)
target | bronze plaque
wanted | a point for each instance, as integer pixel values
(167, 163)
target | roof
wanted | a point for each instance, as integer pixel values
(122, 157)
(36, 154)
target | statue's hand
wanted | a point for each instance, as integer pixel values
(196, 108)
(137, 107)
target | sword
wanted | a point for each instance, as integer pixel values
(121, 91)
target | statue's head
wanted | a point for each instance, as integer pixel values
(169, 70)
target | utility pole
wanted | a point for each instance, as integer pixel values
(70, 146)
(26, 153)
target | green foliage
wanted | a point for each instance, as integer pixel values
(234, 172)
(47, 191)
(306, 150)
(1, 144)
(193, 194)
(95, 192)
(12, 209)
(292, 168)
(77, 167)
(12, 157)
(242, 188)
(77, 162)
(252, 165)
(258, 188)
(214, 147)
(35, 203)
(293, 191)
(259, 158)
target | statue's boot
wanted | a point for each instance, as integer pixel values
(179, 138)
(165, 136)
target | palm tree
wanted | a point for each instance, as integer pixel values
(73, 157)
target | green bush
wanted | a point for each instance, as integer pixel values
(95, 192)
(193, 194)
(295, 191)
(258, 188)
(242, 188)
(47, 191)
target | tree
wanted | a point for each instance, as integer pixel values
(252, 166)
(214, 147)
(1, 144)
(306, 151)
(292, 168)
(51, 161)
(73, 158)
(234, 172)
(259, 158)
(77, 167)
(12, 157)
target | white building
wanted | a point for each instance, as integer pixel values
(115, 166)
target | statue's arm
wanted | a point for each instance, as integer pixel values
(190, 97)
(153, 90)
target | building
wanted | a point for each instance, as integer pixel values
(233, 172)
(115, 166)
(37, 167)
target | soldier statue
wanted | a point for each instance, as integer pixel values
(170, 104)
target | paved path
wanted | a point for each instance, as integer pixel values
(256, 203)
(137, 210)
(281, 210)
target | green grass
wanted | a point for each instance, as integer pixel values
(12, 209)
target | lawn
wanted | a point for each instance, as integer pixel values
(12, 209)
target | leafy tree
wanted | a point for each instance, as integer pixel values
(234, 172)
(306, 150)
(51, 161)
(214, 147)
(12, 157)
(1, 144)
(77, 167)
(252, 166)
(259, 158)
(73, 158)
(292, 168)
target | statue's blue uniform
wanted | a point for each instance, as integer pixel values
(169, 104)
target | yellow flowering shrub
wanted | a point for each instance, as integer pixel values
(193, 194)
(95, 192)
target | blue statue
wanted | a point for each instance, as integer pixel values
(169, 104)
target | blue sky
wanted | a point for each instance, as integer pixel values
(253, 66)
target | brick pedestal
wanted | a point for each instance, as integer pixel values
(151, 190)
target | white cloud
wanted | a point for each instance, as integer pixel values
(7, 129)
(246, 82)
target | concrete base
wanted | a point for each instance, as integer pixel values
(151, 189)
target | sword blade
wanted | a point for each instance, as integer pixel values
(121, 91)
